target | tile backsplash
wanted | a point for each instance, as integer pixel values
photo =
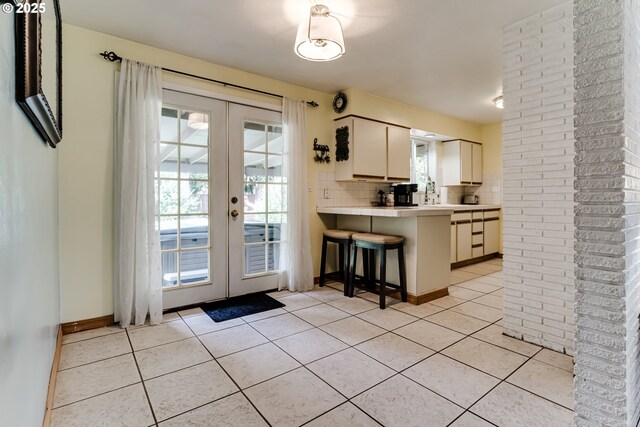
(360, 194)
(489, 193)
(346, 193)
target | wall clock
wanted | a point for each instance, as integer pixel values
(339, 102)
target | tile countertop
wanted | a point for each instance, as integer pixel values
(404, 211)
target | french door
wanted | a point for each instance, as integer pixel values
(258, 204)
(220, 198)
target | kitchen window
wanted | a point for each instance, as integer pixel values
(420, 163)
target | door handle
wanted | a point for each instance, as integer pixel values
(234, 213)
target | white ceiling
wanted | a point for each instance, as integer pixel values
(442, 55)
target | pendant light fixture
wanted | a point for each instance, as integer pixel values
(320, 37)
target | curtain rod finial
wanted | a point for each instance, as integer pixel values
(313, 104)
(110, 56)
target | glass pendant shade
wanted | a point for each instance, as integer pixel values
(198, 121)
(320, 37)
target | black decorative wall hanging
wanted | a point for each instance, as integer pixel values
(342, 144)
(322, 152)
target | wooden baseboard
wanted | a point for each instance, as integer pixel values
(475, 260)
(85, 325)
(53, 376)
(421, 299)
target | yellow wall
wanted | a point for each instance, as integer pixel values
(86, 153)
(491, 138)
(373, 106)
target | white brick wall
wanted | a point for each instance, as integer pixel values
(538, 154)
(607, 78)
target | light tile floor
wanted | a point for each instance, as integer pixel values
(323, 360)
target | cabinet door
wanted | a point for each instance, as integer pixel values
(466, 163)
(476, 158)
(370, 146)
(453, 243)
(463, 241)
(451, 163)
(491, 236)
(398, 154)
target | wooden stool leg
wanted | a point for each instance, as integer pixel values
(403, 274)
(323, 261)
(372, 269)
(366, 272)
(341, 259)
(383, 278)
(352, 276)
(346, 250)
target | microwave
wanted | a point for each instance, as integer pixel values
(470, 200)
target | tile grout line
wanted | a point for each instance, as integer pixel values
(144, 386)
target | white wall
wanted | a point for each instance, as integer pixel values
(538, 155)
(607, 76)
(29, 298)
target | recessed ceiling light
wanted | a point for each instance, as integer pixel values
(499, 102)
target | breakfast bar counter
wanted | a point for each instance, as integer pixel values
(426, 230)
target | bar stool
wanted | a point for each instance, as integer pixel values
(343, 239)
(378, 242)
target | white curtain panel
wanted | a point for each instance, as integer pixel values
(296, 267)
(138, 285)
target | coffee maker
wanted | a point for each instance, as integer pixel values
(403, 194)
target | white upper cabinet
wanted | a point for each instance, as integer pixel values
(461, 162)
(369, 150)
(476, 159)
(398, 154)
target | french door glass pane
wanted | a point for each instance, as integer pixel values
(194, 162)
(255, 196)
(194, 231)
(255, 138)
(254, 228)
(275, 168)
(194, 128)
(254, 167)
(169, 269)
(273, 256)
(169, 125)
(194, 266)
(255, 259)
(168, 160)
(275, 226)
(168, 232)
(194, 197)
(168, 198)
(275, 140)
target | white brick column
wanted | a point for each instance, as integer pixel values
(538, 156)
(607, 79)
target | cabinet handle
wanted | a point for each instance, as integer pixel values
(465, 182)
(479, 245)
(491, 219)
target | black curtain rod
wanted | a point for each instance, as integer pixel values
(113, 57)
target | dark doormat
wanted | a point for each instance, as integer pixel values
(243, 305)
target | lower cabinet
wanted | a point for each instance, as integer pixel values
(463, 241)
(474, 234)
(491, 236)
